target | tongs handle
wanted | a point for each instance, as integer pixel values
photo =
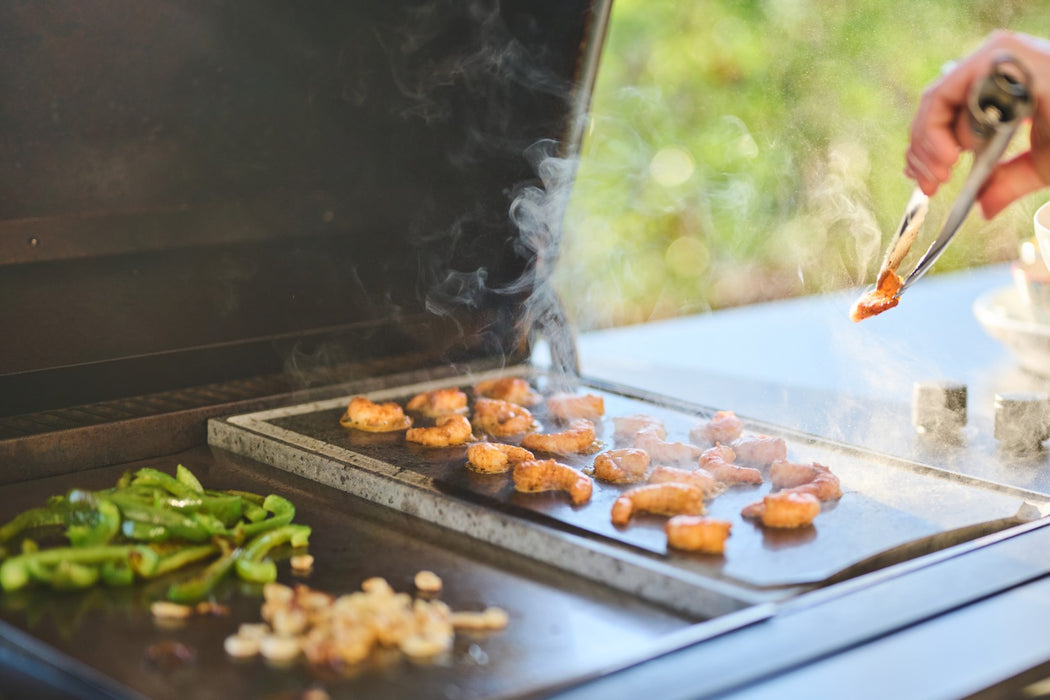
(998, 105)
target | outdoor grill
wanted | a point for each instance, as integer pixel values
(221, 220)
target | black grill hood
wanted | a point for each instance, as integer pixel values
(200, 192)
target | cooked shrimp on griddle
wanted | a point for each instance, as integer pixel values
(696, 533)
(364, 414)
(512, 389)
(785, 509)
(447, 431)
(628, 465)
(801, 485)
(501, 418)
(626, 427)
(439, 402)
(723, 427)
(495, 457)
(578, 438)
(660, 450)
(718, 461)
(759, 450)
(536, 475)
(812, 478)
(694, 477)
(570, 406)
(660, 499)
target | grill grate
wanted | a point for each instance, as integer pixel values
(29, 424)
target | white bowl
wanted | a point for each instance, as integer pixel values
(1004, 316)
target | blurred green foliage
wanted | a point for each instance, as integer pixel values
(740, 151)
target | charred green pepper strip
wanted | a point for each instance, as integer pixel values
(248, 496)
(187, 478)
(183, 557)
(124, 479)
(117, 573)
(36, 517)
(282, 513)
(177, 524)
(251, 503)
(226, 507)
(147, 476)
(144, 532)
(229, 509)
(93, 520)
(252, 564)
(196, 588)
(38, 572)
(73, 576)
(253, 512)
(209, 522)
(15, 572)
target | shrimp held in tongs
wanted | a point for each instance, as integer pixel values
(886, 293)
(998, 104)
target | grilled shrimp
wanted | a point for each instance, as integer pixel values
(659, 450)
(570, 406)
(723, 427)
(447, 431)
(785, 509)
(626, 427)
(718, 461)
(578, 438)
(812, 478)
(759, 450)
(495, 457)
(364, 414)
(695, 477)
(501, 418)
(661, 499)
(624, 466)
(695, 533)
(536, 475)
(512, 389)
(439, 402)
(802, 486)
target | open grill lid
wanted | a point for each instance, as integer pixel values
(200, 192)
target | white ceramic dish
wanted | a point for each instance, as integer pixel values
(1004, 316)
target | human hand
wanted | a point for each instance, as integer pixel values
(940, 131)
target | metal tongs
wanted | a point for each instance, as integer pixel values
(998, 105)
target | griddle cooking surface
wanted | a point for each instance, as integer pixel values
(885, 503)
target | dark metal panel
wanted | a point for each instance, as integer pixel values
(188, 189)
(560, 629)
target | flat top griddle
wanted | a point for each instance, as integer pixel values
(890, 510)
(560, 626)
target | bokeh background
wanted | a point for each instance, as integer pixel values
(741, 151)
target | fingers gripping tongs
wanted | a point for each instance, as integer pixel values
(998, 105)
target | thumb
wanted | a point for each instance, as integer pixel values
(1008, 182)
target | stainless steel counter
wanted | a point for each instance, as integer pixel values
(801, 363)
